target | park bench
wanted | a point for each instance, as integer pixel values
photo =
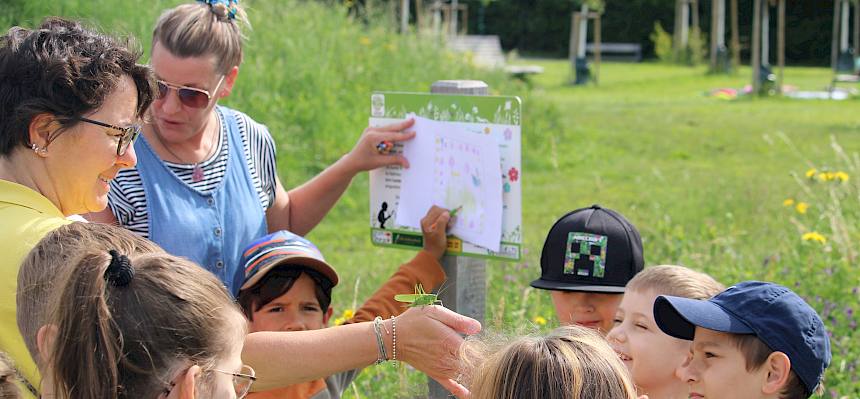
(486, 52)
(630, 52)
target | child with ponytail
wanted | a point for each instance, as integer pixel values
(142, 325)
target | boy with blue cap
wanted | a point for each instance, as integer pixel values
(753, 340)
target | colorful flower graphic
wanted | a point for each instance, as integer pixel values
(513, 174)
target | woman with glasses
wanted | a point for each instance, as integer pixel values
(70, 99)
(206, 183)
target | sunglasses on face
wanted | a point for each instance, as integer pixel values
(189, 96)
(125, 137)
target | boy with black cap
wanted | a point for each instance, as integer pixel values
(754, 340)
(588, 257)
(288, 286)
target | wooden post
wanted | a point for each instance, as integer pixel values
(780, 45)
(765, 33)
(419, 15)
(694, 15)
(756, 46)
(465, 289)
(404, 16)
(834, 50)
(843, 37)
(597, 48)
(715, 19)
(574, 42)
(582, 39)
(685, 24)
(856, 43)
(454, 17)
(676, 40)
(736, 41)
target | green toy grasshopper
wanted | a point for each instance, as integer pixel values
(419, 298)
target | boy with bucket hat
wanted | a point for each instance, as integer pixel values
(754, 340)
(288, 286)
(588, 257)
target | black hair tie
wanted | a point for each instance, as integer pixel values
(119, 272)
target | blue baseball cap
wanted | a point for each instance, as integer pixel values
(282, 248)
(774, 314)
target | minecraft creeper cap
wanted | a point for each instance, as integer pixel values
(591, 249)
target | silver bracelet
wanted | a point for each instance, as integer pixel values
(393, 338)
(377, 328)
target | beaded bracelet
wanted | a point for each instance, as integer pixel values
(393, 338)
(377, 328)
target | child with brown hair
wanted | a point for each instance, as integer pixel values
(570, 363)
(754, 340)
(288, 286)
(142, 325)
(649, 354)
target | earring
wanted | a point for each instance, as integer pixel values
(39, 150)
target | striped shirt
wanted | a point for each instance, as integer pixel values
(127, 199)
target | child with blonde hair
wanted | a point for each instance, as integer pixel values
(572, 362)
(651, 355)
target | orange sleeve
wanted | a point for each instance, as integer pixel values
(423, 269)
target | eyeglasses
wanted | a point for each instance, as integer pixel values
(128, 135)
(188, 96)
(241, 381)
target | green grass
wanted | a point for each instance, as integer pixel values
(703, 179)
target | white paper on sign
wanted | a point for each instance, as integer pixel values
(451, 167)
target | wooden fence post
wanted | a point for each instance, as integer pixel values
(465, 290)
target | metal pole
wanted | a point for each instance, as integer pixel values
(685, 24)
(465, 290)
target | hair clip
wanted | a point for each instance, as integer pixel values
(119, 272)
(232, 10)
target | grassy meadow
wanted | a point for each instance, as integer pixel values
(744, 189)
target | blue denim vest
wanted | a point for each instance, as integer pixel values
(210, 229)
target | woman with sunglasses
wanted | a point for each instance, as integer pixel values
(70, 99)
(206, 183)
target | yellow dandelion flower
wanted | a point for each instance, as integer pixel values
(811, 173)
(824, 176)
(814, 236)
(338, 321)
(364, 40)
(539, 320)
(841, 176)
(788, 202)
(801, 207)
(348, 314)
(390, 47)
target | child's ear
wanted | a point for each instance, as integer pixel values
(45, 338)
(186, 384)
(327, 316)
(778, 368)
